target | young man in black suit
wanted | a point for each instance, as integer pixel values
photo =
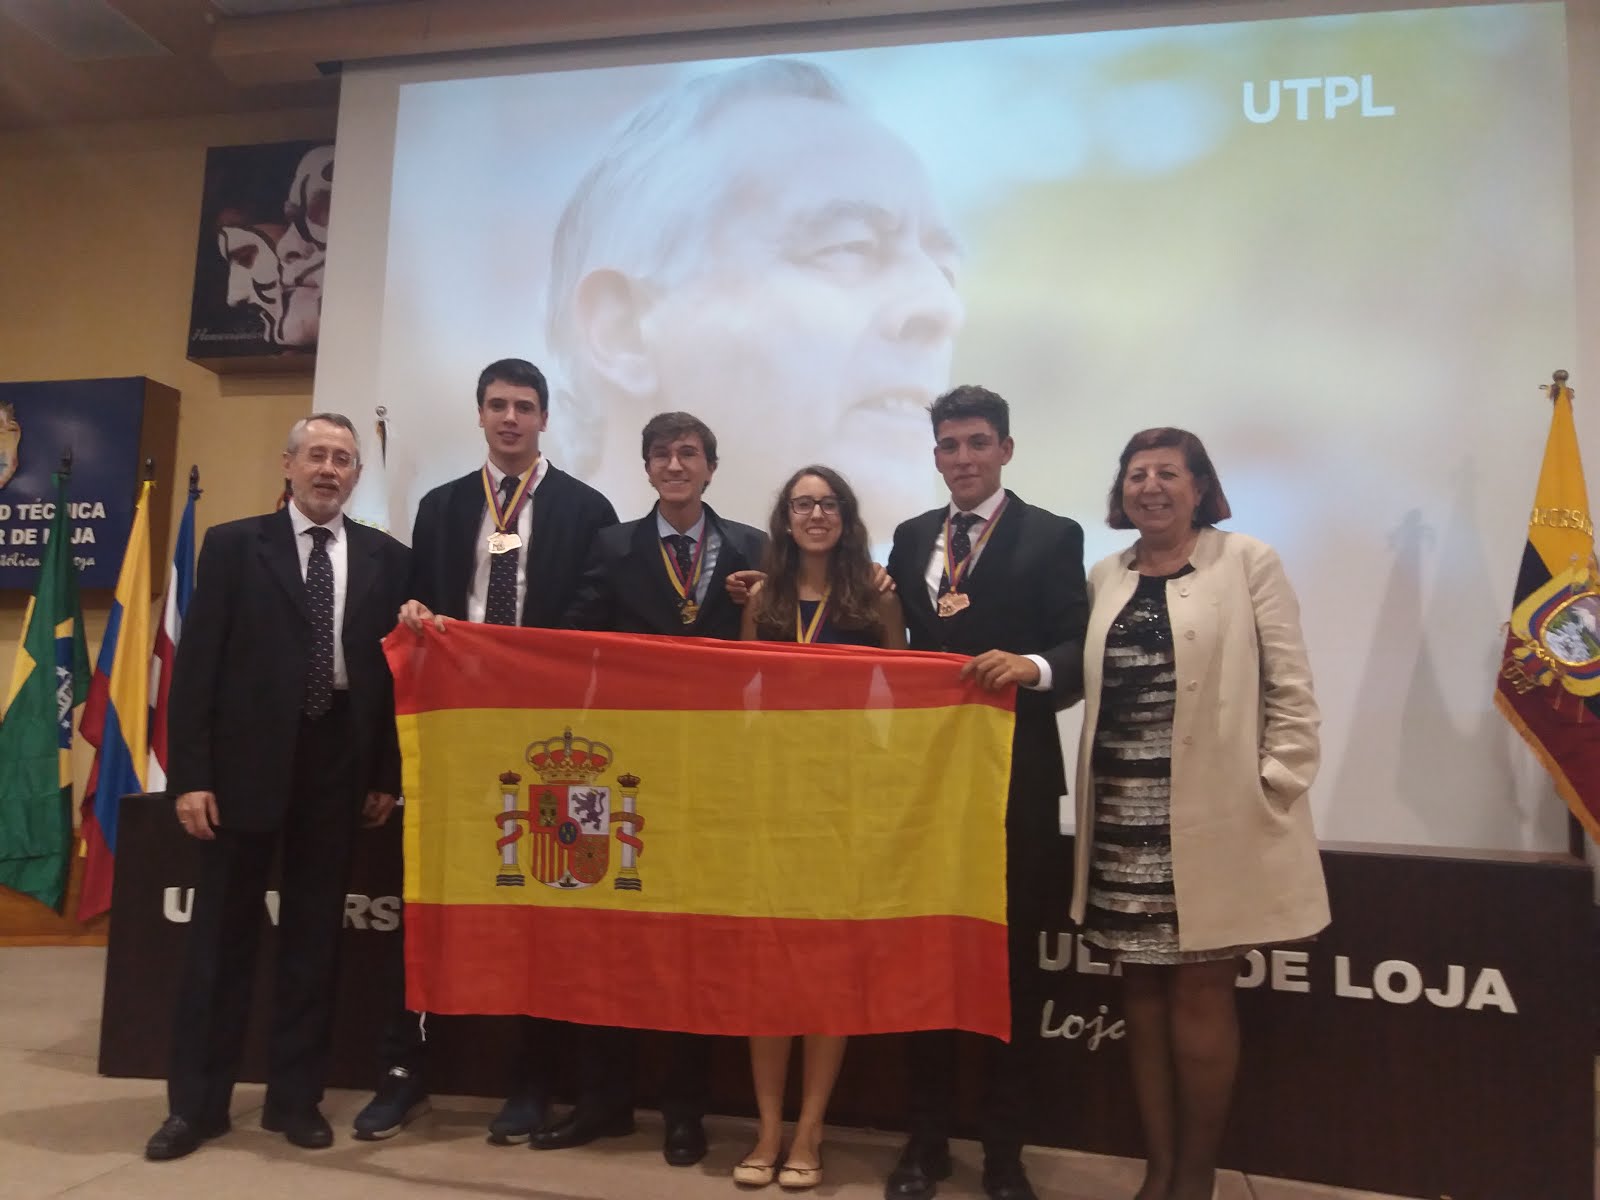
(663, 574)
(282, 733)
(993, 577)
(505, 545)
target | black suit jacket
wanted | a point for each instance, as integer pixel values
(567, 514)
(239, 680)
(1028, 597)
(625, 587)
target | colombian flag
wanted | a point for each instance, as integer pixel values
(1549, 682)
(117, 715)
(716, 837)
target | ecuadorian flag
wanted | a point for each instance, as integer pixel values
(1549, 683)
(116, 718)
(717, 837)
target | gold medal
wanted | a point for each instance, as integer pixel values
(501, 541)
(953, 602)
(688, 612)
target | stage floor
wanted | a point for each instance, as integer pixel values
(64, 1129)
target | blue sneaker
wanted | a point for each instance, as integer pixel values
(520, 1118)
(400, 1098)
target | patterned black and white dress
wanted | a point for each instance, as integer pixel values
(1132, 908)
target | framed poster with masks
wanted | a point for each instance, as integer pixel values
(259, 256)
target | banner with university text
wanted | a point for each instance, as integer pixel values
(716, 837)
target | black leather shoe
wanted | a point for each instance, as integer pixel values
(522, 1116)
(178, 1138)
(579, 1130)
(923, 1163)
(685, 1142)
(1007, 1181)
(303, 1127)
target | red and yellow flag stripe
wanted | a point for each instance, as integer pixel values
(761, 838)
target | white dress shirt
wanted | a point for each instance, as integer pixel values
(478, 593)
(708, 563)
(935, 571)
(339, 556)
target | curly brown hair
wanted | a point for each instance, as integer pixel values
(852, 600)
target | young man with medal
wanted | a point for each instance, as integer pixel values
(991, 576)
(505, 545)
(665, 574)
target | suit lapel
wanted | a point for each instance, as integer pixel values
(361, 568)
(730, 558)
(924, 534)
(646, 577)
(538, 559)
(282, 559)
(460, 547)
(992, 572)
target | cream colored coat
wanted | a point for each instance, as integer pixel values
(1245, 863)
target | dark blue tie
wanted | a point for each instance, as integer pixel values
(319, 597)
(960, 543)
(500, 607)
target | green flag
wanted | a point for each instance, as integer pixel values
(50, 679)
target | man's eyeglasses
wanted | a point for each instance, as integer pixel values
(804, 506)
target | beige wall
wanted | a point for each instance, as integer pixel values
(97, 243)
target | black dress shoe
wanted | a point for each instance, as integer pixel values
(178, 1137)
(303, 1127)
(923, 1163)
(580, 1130)
(685, 1142)
(1007, 1182)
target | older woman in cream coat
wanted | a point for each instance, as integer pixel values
(1195, 841)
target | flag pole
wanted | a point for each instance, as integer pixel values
(1577, 838)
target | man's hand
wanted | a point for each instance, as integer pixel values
(993, 669)
(414, 614)
(197, 813)
(742, 583)
(880, 579)
(377, 808)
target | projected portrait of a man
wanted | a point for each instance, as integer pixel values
(756, 248)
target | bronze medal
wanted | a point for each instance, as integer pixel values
(953, 602)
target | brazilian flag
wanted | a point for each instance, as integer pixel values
(50, 679)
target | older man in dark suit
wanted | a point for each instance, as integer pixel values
(282, 735)
(993, 577)
(505, 545)
(664, 574)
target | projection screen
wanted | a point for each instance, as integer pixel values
(1339, 248)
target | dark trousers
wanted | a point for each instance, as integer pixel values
(225, 929)
(403, 1042)
(607, 1063)
(934, 1075)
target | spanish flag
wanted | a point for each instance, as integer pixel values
(1549, 683)
(716, 837)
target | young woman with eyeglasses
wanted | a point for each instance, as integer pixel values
(818, 588)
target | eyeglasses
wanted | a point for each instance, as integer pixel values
(804, 506)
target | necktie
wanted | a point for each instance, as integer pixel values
(319, 595)
(682, 546)
(961, 536)
(500, 607)
(960, 543)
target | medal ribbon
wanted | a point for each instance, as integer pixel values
(955, 572)
(809, 632)
(685, 587)
(506, 517)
